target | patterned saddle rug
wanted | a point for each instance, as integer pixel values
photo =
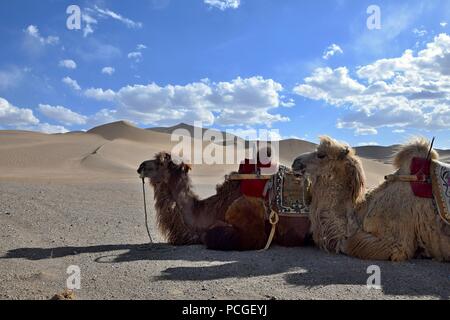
(287, 194)
(440, 180)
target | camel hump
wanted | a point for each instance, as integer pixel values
(418, 147)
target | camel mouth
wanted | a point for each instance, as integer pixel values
(141, 171)
(299, 173)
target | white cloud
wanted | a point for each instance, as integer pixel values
(420, 32)
(223, 4)
(141, 47)
(443, 24)
(136, 56)
(108, 70)
(100, 94)
(71, 83)
(331, 51)
(48, 128)
(106, 13)
(239, 102)
(15, 118)
(88, 21)
(407, 91)
(398, 131)
(69, 64)
(12, 116)
(62, 115)
(365, 144)
(33, 32)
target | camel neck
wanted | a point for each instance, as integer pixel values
(181, 191)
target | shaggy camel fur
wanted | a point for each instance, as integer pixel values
(225, 221)
(387, 223)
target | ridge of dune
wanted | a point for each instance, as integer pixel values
(126, 130)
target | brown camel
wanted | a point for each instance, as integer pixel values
(227, 220)
(224, 221)
(387, 223)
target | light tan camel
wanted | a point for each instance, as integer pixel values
(387, 223)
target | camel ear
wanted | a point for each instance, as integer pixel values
(344, 153)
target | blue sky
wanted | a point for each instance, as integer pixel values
(305, 68)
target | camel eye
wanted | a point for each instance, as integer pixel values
(321, 155)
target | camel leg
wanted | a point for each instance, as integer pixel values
(364, 245)
(222, 236)
(243, 229)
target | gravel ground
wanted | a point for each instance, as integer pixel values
(47, 226)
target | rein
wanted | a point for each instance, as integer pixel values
(145, 247)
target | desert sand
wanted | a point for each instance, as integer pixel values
(76, 199)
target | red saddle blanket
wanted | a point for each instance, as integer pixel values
(420, 167)
(252, 188)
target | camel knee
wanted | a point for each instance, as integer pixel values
(225, 238)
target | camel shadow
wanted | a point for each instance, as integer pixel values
(301, 267)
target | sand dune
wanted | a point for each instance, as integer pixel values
(114, 150)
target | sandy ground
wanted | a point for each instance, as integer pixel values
(76, 200)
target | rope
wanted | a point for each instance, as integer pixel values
(273, 219)
(147, 246)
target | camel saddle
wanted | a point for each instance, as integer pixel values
(429, 179)
(286, 199)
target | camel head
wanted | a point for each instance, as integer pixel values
(162, 168)
(333, 163)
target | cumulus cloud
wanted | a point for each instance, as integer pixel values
(443, 24)
(62, 115)
(33, 32)
(108, 70)
(100, 94)
(69, 64)
(331, 51)
(238, 102)
(141, 47)
(71, 83)
(412, 90)
(12, 117)
(223, 4)
(48, 128)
